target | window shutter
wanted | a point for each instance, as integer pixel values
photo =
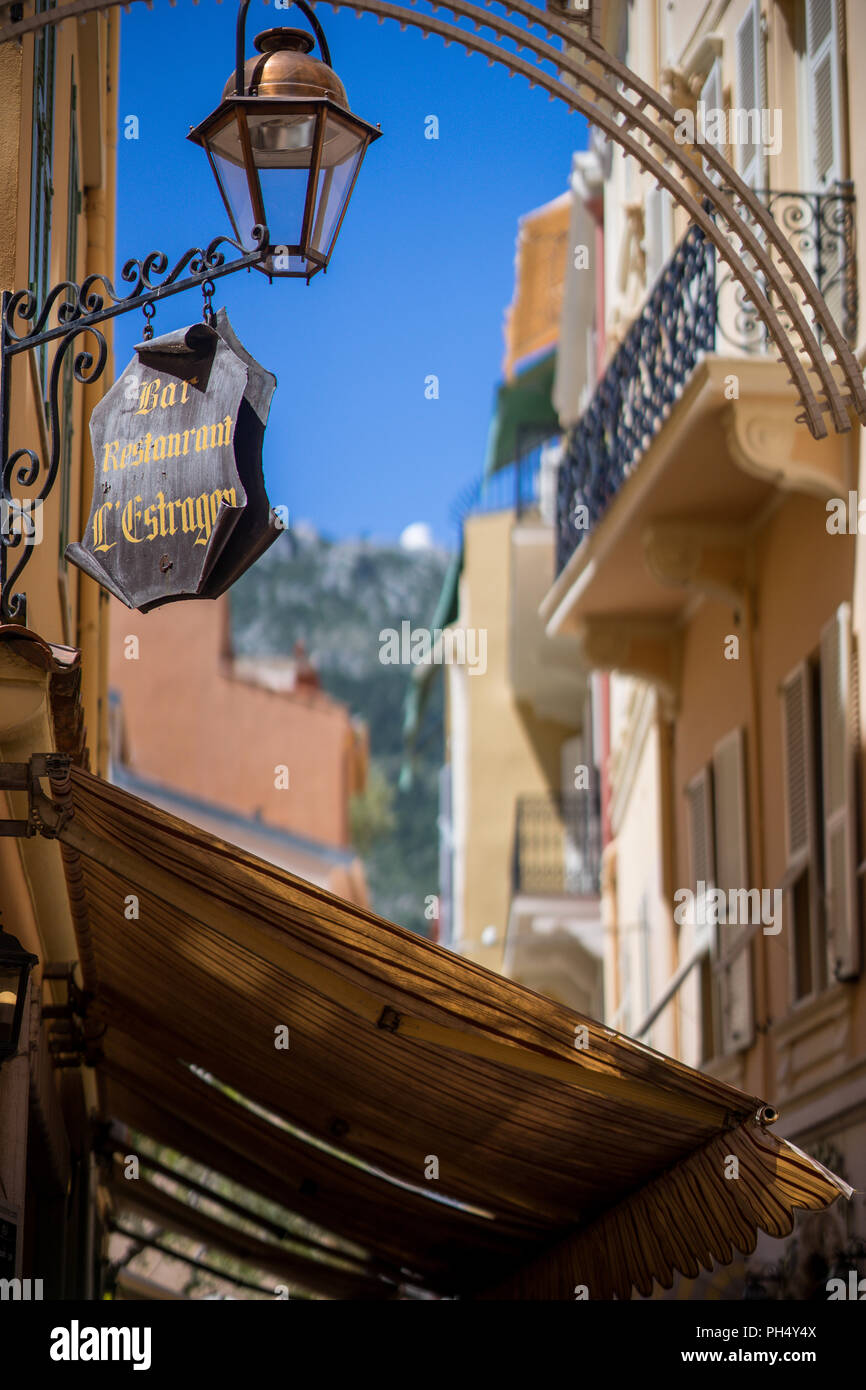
(737, 1017)
(822, 77)
(750, 90)
(713, 99)
(699, 794)
(838, 745)
(799, 765)
(657, 232)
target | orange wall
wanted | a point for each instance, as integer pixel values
(192, 726)
(802, 574)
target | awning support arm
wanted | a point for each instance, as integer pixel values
(44, 816)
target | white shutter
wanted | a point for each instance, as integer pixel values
(730, 804)
(657, 232)
(839, 778)
(799, 766)
(713, 99)
(749, 95)
(799, 744)
(699, 794)
(823, 87)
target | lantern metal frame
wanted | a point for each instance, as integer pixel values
(319, 108)
(13, 954)
(242, 102)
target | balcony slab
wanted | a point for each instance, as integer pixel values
(683, 519)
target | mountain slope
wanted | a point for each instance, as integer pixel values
(337, 597)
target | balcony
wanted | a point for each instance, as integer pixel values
(557, 845)
(554, 938)
(695, 309)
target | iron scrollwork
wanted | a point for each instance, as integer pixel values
(76, 310)
(643, 380)
(821, 228)
(697, 306)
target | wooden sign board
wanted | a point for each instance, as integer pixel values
(179, 506)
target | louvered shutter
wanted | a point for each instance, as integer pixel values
(801, 816)
(703, 864)
(713, 99)
(799, 765)
(737, 1017)
(657, 232)
(838, 746)
(822, 77)
(749, 94)
(698, 1015)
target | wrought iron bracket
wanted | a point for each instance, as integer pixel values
(73, 1039)
(78, 309)
(44, 816)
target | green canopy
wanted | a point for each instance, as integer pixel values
(524, 416)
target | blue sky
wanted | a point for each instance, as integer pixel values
(420, 277)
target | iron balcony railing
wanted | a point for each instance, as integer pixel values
(514, 486)
(557, 844)
(695, 307)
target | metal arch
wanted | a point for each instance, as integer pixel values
(691, 170)
(689, 161)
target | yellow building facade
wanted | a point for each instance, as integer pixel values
(57, 170)
(717, 573)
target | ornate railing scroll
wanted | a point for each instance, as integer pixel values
(676, 327)
(696, 306)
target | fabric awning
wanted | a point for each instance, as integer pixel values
(524, 416)
(557, 1166)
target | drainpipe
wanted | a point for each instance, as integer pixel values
(93, 633)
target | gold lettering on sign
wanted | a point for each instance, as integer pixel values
(193, 516)
(149, 396)
(153, 448)
(99, 532)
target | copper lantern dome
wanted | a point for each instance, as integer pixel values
(285, 149)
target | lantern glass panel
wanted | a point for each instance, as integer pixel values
(342, 152)
(283, 147)
(227, 154)
(10, 985)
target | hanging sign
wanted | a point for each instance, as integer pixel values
(179, 506)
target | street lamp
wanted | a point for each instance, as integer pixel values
(285, 149)
(15, 967)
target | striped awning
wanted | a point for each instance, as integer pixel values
(467, 1135)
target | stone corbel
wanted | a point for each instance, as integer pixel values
(647, 648)
(702, 557)
(766, 442)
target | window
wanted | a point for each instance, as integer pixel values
(838, 764)
(822, 78)
(41, 187)
(658, 232)
(718, 834)
(712, 99)
(803, 908)
(699, 794)
(751, 96)
(819, 735)
(733, 939)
